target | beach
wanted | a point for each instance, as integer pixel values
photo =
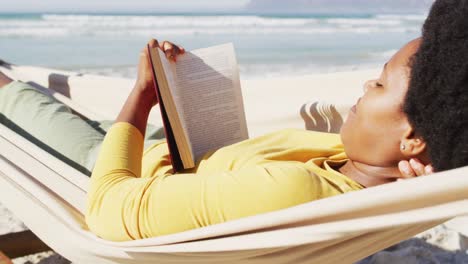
(267, 47)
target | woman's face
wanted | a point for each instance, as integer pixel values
(376, 125)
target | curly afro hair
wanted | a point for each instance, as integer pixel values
(437, 99)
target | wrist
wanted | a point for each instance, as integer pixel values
(146, 95)
(136, 109)
(142, 86)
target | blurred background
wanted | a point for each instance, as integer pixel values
(272, 38)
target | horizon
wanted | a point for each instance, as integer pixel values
(285, 14)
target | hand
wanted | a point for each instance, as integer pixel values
(145, 73)
(414, 168)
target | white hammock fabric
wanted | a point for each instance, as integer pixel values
(49, 196)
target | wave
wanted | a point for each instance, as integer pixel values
(57, 25)
(51, 32)
(364, 21)
(180, 21)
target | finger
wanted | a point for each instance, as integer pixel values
(161, 45)
(405, 169)
(167, 45)
(143, 54)
(181, 49)
(153, 43)
(169, 54)
(417, 167)
(174, 53)
(171, 50)
(177, 50)
(168, 49)
(428, 169)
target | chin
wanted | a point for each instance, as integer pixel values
(345, 128)
(346, 136)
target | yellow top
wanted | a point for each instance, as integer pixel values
(133, 195)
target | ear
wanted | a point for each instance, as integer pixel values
(412, 145)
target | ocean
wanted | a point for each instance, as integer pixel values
(266, 45)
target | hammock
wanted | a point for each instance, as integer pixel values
(49, 196)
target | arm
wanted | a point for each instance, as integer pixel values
(136, 109)
(117, 170)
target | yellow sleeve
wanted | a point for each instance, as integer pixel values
(124, 206)
(115, 187)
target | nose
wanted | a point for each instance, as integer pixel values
(366, 86)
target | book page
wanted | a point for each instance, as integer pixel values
(209, 99)
(169, 69)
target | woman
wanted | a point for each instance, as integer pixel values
(134, 195)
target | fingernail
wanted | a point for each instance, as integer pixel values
(429, 169)
(404, 167)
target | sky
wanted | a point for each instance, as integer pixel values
(119, 5)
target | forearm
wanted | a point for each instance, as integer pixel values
(136, 109)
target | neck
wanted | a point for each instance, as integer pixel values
(368, 175)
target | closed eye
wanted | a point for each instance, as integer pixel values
(378, 84)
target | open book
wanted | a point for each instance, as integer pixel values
(200, 100)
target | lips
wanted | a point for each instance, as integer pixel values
(353, 108)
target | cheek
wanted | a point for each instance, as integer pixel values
(349, 133)
(379, 114)
(372, 135)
